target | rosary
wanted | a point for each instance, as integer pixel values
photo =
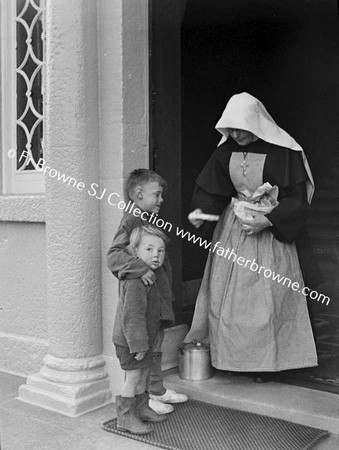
(244, 164)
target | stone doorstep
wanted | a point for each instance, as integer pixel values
(301, 405)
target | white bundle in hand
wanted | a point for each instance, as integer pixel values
(262, 201)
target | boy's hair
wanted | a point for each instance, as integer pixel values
(139, 232)
(140, 177)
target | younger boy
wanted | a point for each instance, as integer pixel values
(135, 330)
(145, 188)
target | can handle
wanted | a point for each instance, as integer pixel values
(197, 343)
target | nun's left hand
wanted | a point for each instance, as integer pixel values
(258, 224)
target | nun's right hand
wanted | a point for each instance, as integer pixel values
(195, 222)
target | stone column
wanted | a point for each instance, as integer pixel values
(73, 379)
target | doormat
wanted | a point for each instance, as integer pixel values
(195, 425)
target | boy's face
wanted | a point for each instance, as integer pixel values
(149, 197)
(151, 250)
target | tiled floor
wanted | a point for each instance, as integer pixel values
(26, 427)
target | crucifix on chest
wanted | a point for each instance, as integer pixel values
(244, 164)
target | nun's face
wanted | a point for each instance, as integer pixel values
(241, 137)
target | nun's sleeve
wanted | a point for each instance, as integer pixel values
(289, 217)
(214, 187)
(208, 203)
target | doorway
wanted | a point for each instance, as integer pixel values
(287, 55)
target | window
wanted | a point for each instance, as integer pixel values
(22, 89)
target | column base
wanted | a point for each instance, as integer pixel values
(82, 388)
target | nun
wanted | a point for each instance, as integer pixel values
(252, 307)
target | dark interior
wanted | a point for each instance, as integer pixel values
(285, 53)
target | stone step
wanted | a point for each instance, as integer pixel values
(293, 403)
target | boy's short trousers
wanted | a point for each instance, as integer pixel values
(128, 361)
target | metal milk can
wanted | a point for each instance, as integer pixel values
(195, 361)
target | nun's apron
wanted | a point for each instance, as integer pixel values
(253, 322)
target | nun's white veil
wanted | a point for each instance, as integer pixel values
(245, 112)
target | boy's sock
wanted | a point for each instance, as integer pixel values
(157, 389)
(156, 381)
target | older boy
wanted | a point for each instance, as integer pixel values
(145, 188)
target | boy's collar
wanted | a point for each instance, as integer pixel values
(132, 206)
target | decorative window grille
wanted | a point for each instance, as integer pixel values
(29, 83)
(23, 58)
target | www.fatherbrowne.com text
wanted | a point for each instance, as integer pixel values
(252, 265)
(130, 207)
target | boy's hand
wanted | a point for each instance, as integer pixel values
(140, 355)
(148, 278)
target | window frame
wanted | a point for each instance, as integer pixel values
(14, 181)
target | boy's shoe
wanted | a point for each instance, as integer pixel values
(128, 417)
(159, 407)
(170, 397)
(144, 412)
